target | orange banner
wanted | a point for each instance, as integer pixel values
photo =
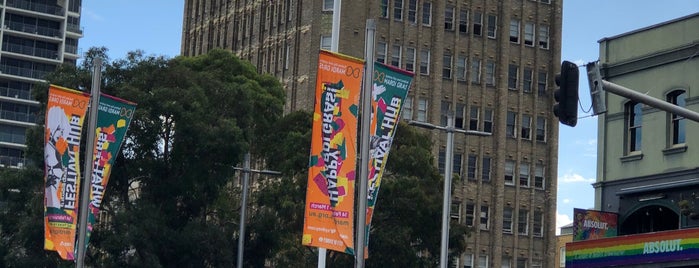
(65, 113)
(329, 216)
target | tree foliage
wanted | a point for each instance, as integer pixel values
(172, 199)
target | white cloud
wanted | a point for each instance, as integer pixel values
(580, 62)
(573, 178)
(566, 201)
(562, 220)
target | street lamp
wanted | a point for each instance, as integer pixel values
(243, 206)
(449, 155)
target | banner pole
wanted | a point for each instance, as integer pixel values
(364, 145)
(87, 176)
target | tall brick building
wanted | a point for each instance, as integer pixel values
(491, 62)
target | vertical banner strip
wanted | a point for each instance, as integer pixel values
(113, 119)
(329, 209)
(65, 114)
(389, 89)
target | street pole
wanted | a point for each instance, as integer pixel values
(89, 162)
(449, 156)
(364, 145)
(243, 206)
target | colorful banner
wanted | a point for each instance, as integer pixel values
(593, 224)
(389, 88)
(659, 247)
(329, 215)
(65, 114)
(113, 119)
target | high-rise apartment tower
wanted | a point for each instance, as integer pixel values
(491, 62)
(36, 37)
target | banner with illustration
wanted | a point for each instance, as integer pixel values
(329, 209)
(633, 250)
(593, 224)
(113, 118)
(389, 89)
(65, 114)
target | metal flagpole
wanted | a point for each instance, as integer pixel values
(89, 162)
(334, 46)
(364, 145)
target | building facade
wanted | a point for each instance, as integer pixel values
(647, 169)
(493, 63)
(36, 37)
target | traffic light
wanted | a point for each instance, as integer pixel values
(566, 95)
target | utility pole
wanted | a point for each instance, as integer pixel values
(243, 206)
(449, 155)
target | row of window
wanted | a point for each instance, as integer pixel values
(525, 127)
(634, 120)
(508, 219)
(451, 22)
(467, 261)
(525, 178)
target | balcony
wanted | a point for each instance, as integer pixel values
(42, 8)
(25, 72)
(32, 29)
(30, 51)
(17, 116)
(15, 93)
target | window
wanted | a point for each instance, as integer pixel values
(521, 263)
(468, 260)
(523, 174)
(634, 118)
(425, 61)
(677, 123)
(488, 121)
(541, 129)
(522, 223)
(543, 36)
(328, 5)
(528, 77)
(461, 68)
(410, 54)
(470, 214)
(476, 71)
(536, 264)
(563, 256)
(287, 57)
(325, 42)
(482, 261)
(490, 73)
(484, 218)
(511, 123)
(506, 262)
(526, 127)
(477, 23)
(463, 21)
(408, 108)
(398, 10)
(512, 76)
(529, 34)
(472, 162)
(507, 220)
(459, 115)
(446, 66)
(422, 110)
(492, 26)
(473, 121)
(384, 8)
(514, 31)
(542, 83)
(427, 13)
(449, 18)
(381, 52)
(396, 55)
(538, 229)
(412, 11)
(509, 172)
(456, 165)
(539, 177)
(485, 169)
(455, 211)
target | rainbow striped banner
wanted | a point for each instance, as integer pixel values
(658, 247)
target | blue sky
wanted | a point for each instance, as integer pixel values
(155, 26)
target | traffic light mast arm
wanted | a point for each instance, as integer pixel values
(595, 80)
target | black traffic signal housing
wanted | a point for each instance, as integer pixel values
(566, 95)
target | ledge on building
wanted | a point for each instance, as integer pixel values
(675, 149)
(632, 156)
